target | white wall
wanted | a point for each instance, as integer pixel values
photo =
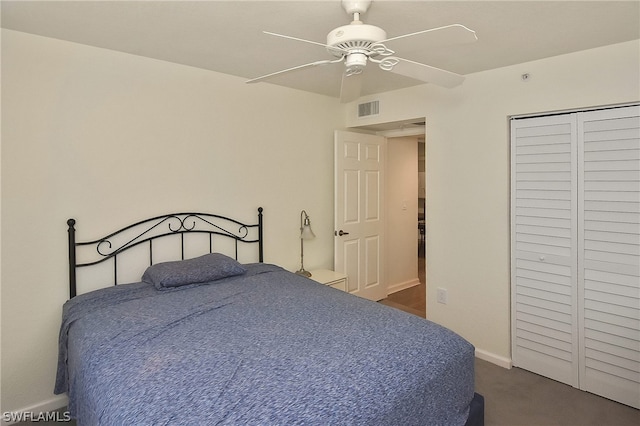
(110, 138)
(468, 173)
(402, 213)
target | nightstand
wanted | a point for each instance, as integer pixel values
(331, 278)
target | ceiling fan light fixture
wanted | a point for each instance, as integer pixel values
(356, 60)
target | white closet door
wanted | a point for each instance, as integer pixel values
(609, 253)
(543, 246)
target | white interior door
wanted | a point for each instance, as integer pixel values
(359, 212)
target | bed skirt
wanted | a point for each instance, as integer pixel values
(476, 412)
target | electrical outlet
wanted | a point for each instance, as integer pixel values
(442, 296)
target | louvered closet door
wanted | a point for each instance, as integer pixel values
(609, 253)
(544, 252)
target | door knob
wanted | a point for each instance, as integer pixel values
(341, 233)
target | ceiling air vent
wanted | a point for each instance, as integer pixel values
(369, 108)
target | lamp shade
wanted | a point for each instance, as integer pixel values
(307, 233)
(305, 227)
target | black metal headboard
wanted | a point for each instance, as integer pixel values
(149, 230)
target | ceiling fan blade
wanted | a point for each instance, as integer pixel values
(299, 67)
(441, 36)
(330, 48)
(427, 73)
(351, 87)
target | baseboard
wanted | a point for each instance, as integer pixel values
(55, 403)
(403, 286)
(494, 359)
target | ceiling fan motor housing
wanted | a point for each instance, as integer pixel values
(356, 38)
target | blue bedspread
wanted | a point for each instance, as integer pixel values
(265, 348)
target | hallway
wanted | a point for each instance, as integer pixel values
(412, 300)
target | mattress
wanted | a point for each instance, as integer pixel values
(264, 347)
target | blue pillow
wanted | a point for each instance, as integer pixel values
(203, 269)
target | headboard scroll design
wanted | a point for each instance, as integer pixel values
(149, 230)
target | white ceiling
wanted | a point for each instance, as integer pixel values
(226, 36)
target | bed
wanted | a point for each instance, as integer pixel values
(209, 340)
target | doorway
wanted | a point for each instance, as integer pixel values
(405, 291)
(406, 212)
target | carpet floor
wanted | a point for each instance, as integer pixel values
(518, 397)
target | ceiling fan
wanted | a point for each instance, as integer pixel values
(358, 43)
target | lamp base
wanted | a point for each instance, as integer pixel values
(303, 273)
